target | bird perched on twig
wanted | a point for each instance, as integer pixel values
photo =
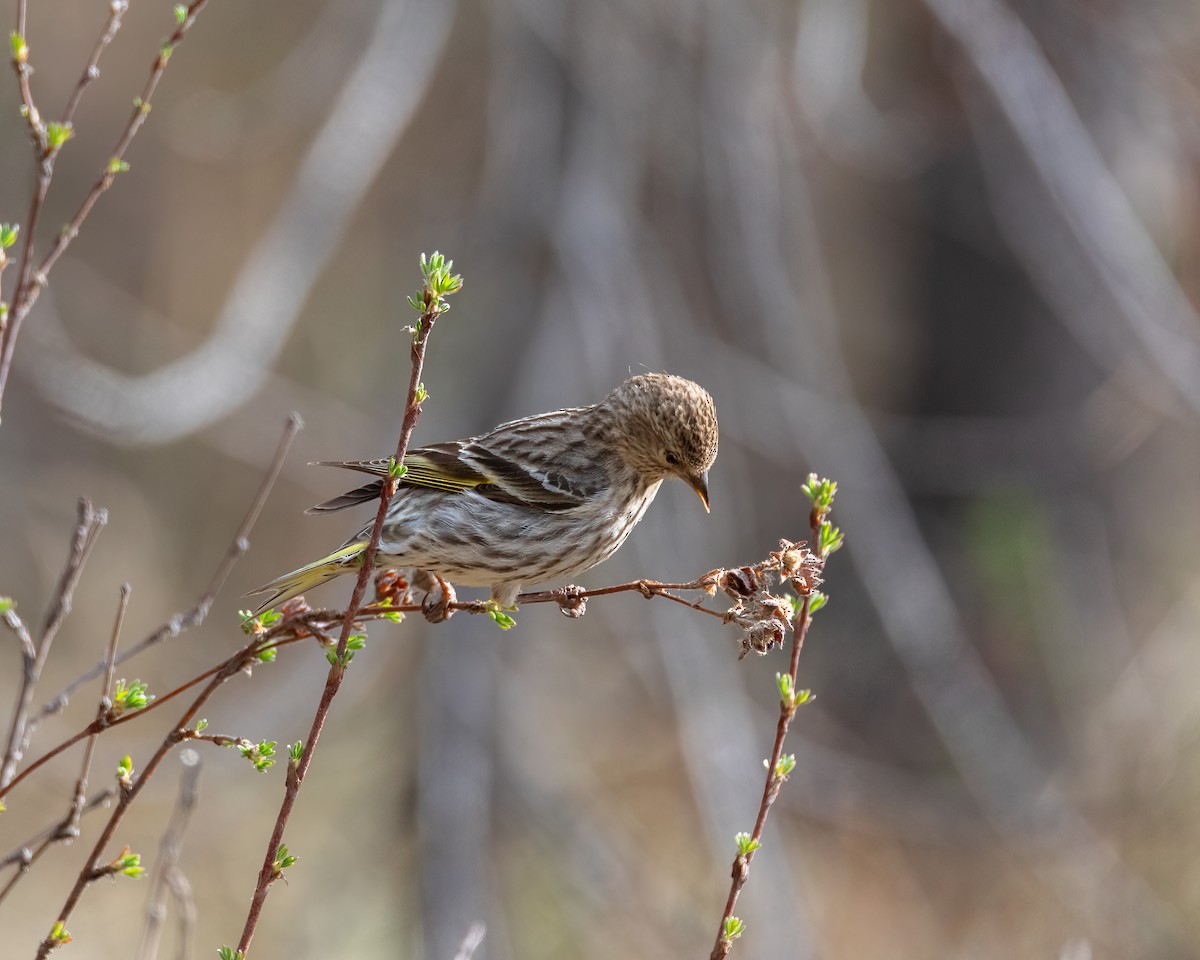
(535, 499)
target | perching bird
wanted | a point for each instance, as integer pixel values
(536, 499)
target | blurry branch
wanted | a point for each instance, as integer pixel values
(372, 111)
(801, 570)
(49, 138)
(438, 283)
(829, 57)
(168, 878)
(24, 854)
(237, 548)
(118, 704)
(130, 786)
(1094, 208)
(196, 615)
(471, 942)
(34, 654)
(68, 828)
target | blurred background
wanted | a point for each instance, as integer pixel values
(943, 251)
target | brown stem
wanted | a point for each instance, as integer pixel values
(337, 671)
(774, 781)
(91, 869)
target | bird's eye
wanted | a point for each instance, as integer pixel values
(672, 459)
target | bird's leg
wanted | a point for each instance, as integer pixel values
(436, 605)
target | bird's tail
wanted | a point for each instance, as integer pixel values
(311, 575)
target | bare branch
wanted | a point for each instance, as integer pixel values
(196, 615)
(86, 530)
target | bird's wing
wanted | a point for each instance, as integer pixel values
(456, 468)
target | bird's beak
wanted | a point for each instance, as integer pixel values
(700, 485)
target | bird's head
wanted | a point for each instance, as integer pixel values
(665, 426)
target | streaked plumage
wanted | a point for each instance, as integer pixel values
(535, 499)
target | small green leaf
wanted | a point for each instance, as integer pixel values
(58, 133)
(829, 539)
(296, 751)
(260, 754)
(117, 165)
(128, 864)
(396, 470)
(180, 13)
(732, 929)
(6, 604)
(283, 859)
(59, 933)
(746, 844)
(20, 50)
(816, 601)
(228, 953)
(201, 726)
(785, 766)
(128, 697)
(501, 619)
(8, 234)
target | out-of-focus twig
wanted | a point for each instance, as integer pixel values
(87, 528)
(1097, 212)
(168, 878)
(195, 616)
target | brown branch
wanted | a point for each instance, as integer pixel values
(30, 281)
(196, 615)
(68, 828)
(805, 585)
(116, 10)
(130, 788)
(86, 530)
(433, 307)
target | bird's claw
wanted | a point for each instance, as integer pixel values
(438, 603)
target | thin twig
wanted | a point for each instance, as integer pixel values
(87, 529)
(68, 828)
(130, 788)
(433, 307)
(196, 615)
(776, 775)
(167, 873)
(116, 10)
(27, 851)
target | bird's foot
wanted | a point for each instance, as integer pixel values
(439, 600)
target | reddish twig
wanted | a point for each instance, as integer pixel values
(804, 579)
(433, 307)
(68, 828)
(130, 787)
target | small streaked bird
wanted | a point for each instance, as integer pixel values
(536, 499)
